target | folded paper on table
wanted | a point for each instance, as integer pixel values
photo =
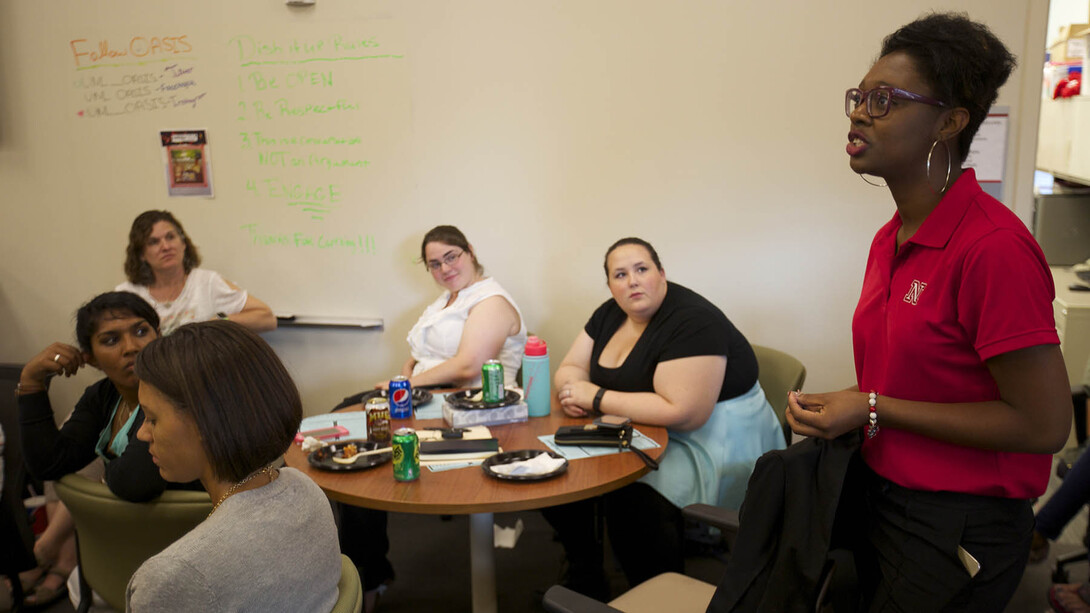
(438, 467)
(575, 452)
(434, 409)
(438, 458)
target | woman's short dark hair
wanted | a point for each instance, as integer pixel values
(632, 240)
(963, 62)
(136, 268)
(231, 383)
(449, 235)
(111, 305)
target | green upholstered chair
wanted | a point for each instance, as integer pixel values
(349, 589)
(780, 373)
(114, 537)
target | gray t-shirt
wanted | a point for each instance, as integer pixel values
(273, 548)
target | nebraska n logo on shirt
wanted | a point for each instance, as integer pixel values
(913, 295)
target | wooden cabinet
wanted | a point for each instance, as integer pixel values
(1063, 139)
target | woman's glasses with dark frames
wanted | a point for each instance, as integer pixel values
(448, 259)
(880, 99)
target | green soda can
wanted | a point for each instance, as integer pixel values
(492, 382)
(406, 449)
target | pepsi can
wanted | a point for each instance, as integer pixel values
(401, 398)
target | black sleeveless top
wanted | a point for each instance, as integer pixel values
(685, 325)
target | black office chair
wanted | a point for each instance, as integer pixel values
(16, 536)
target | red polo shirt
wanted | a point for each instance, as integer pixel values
(971, 284)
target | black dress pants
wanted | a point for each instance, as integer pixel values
(910, 560)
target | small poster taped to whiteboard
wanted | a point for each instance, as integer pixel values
(188, 163)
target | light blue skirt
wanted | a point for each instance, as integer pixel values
(712, 464)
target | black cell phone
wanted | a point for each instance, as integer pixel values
(611, 421)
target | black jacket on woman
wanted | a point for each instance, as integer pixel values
(52, 453)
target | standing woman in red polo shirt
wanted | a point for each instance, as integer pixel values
(962, 393)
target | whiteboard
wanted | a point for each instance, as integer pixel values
(308, 126)
(338, 134)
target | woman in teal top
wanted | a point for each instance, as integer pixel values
(111, 329)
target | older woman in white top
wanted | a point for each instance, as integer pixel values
(161, 263)
(472, 321)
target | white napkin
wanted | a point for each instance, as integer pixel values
(311, 444)
(542, 464)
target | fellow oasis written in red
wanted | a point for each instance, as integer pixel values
(86, 53)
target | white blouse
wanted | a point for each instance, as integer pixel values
(205, 294)
(436, 336)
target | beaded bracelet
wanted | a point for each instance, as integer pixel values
(872, 425)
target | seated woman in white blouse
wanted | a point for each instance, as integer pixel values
(473, 321)
(161, 263)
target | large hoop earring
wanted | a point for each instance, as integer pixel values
(945, 183)
(864, 177)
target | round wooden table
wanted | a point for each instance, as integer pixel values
(469, 491)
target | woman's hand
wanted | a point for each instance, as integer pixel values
(56, 359)
(1031, 415)
(408, 367)
(577, 398)
(406, 370)
(685, 393)
(827, 415)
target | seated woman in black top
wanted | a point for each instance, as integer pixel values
(660, 354)
(110, 329)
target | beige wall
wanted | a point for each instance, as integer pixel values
(545, 130)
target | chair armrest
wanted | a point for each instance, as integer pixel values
(559, 599)
(717, 517)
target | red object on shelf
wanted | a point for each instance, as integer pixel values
(1067, 88)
